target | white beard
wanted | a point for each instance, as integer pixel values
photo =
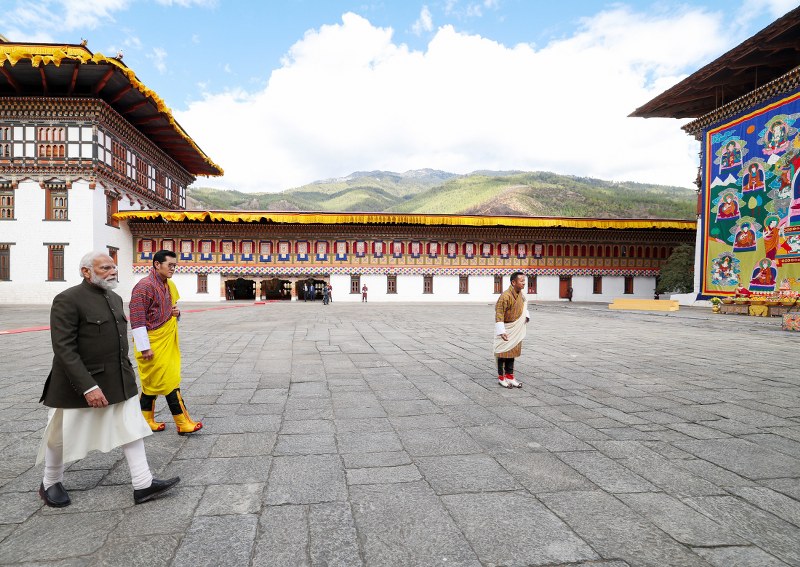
(104, 284)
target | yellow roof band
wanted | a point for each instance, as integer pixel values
(48, 54)
(391, 218)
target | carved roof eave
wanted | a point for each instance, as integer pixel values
(399, 219)
(783, 84)
(388, 232)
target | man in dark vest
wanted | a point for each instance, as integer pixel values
(91, 390)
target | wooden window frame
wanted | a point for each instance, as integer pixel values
(51, 211)
(628, 285)
(391, 284)
(355, 284)
(463, 285)
(498, 285)
(55, 262)
(597, 285)
(112, 207)
(427, 284)
(532, 285)
(7, 204)
(5, 262)
(202, 283)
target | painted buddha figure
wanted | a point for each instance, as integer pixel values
(753, 180)
(728, 208)
(745, 238)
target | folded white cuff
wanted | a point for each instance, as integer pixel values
(90, 389)
(140, 339)
(499, 328)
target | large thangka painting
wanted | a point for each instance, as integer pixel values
(751, 222)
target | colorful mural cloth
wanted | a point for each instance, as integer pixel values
(751, 217)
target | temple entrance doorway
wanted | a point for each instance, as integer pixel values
(316, 288)
(276, 288)
(240, 288)
(564, 287)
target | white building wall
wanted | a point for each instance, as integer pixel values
(30, 233)
(86, 230)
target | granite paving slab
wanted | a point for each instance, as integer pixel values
(355, 436)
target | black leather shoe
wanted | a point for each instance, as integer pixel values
(56, 496)
(155, 490)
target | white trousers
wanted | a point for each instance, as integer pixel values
(141, 477)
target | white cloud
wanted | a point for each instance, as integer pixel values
(775, 8)
(159, 58)
(424, 23)
(189, 3)
(348, 98)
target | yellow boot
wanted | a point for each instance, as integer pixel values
(183, 420)
(150, 414)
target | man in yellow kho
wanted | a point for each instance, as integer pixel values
(154, 320)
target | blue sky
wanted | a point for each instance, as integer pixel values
(281, 93)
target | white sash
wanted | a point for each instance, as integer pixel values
(516, 332)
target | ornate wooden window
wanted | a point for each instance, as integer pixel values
(355, 284)
(597, 285)
(202, 283)
(55, 262)
(623, 250)
(463, 284)
(113, 253)
(550, 251)
(391, 284)
(498, 284)
(130, 164)
(161, 182)
(558, 251)
(118, 157)
(628, 284)
(112, 207)
(427, 283)
(5, 262)
(6, 204)
(57, 204)
(532, 284)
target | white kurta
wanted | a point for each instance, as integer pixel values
(94, 429)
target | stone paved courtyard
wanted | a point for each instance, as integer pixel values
(376, 435)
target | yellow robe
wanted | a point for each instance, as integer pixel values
(162, 374)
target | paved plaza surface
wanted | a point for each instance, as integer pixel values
(376, 434)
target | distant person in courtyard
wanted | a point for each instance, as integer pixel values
(154, 320)
(511, 316)
(325, 296)
(569, 294)
(364, 293)
(91, 390)
(330, 293)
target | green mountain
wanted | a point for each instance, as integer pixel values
(430, 191)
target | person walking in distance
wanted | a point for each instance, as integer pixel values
(364, 294)
(154, 320)
(511, 318)
(91, 390)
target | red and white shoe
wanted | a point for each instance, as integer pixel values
(503, 382)
(512, 382)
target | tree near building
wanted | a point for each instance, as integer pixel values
(677, 274)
